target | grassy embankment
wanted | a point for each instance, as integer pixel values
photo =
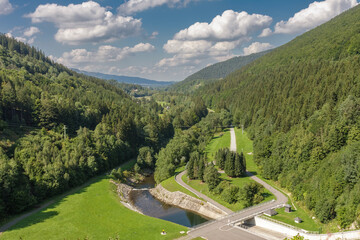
(93, 212)
(171, 185)
(222, 140)
(309, 224)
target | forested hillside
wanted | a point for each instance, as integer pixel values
(301, 105)
(214, 72)
(58, 128)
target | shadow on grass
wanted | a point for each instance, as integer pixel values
(265, 195)
(254, 173)
(45, 210)
(36, 216)
(35, 219)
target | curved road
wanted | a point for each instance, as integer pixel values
(178, 179)
(225, 228)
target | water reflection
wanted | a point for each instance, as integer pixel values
(150, 206)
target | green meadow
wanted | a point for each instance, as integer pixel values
(220, 140)
(93, 212)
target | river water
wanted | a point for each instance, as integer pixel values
(150, 206)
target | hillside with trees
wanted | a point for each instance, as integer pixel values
(301, 105)
(58, 128)
(214, 73)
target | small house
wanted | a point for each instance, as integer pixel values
(288, 208)
(298, 220)
(270, 213)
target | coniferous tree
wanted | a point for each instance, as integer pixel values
(220, 157)
(211, 176)
(238, 171)
(201, 168)
(229, 164)
(190, 168)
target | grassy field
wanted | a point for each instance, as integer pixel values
(220, 140)
(307, 224)
(125, 166)
(93, 212)
(171, 185)
(203, 188)
(245, 145)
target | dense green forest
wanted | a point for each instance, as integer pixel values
(214, 73)
(58, 128)
(301, 105)
(187, 144)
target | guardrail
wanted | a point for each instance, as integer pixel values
(239, 212)
(289, 226)
(254, 214)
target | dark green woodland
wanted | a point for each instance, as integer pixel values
(301, 105)
(59, 128)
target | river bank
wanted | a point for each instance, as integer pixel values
(187, 202)
(157, 202)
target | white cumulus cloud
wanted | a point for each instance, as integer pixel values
(5, 7)
(133, 6)
(229, 26)
(24, 35)
(266, 32)
(105, 53)
(257, 47)
(215, 39)
(85, 22)
(31, 31)
(316, 14)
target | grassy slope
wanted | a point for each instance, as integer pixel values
(220, 140)
(203, 188)
(93, 212)
(244, 144)
(307, 224)
(171, 185)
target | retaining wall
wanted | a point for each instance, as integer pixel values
(187, 202)
(264, 223)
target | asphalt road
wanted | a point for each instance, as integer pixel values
(206, 198)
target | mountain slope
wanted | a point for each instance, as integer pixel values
(59, 128)
(301, 104)
(126, 79)
(214, 72)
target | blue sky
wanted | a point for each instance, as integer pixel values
(159, 39)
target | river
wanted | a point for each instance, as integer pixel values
(150, 206)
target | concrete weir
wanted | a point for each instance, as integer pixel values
(186, 202)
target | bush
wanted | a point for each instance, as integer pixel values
(220, 188)
(251, 193)
(230, 194)
(117, 174)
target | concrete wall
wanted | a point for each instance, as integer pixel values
(261, 222)
(187, 202)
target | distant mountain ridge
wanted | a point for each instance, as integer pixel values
(222, 69)
(125, 79)
(214, 72)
